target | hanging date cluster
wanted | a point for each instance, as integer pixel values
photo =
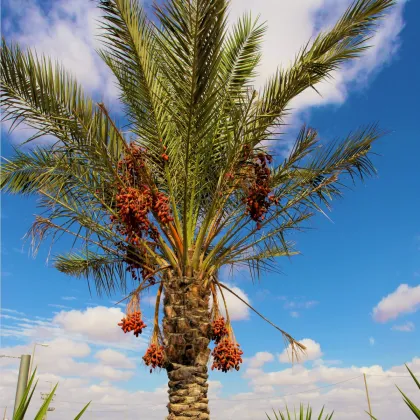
(154, 357)
(133, 322)
(218, 329)
(135, 201)
(227, 355)
(258, 200)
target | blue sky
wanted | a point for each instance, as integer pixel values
(350, 265)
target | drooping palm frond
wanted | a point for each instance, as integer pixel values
(38, 92)
(107, 272)
(344, 42)
(297, 349)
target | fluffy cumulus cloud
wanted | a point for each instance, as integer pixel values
(340, 389)
(94, 325)
(89, 370)
(93, 321)
(68, 358)
(312, 352)
(404, 300)
(114, 358)
(260, 359)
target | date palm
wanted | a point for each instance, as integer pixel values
(191, 186)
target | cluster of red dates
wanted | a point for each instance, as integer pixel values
(258, 200)
(154, 357)
(135, 201)
(226, 354)
(133, 322)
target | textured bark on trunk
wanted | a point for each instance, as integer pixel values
(186, 328)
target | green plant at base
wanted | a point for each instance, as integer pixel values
(303, 414)
(410, 404)
(27, 397)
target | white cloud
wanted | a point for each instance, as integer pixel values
(260, 359)
(322, 362)
(407, 327)
(371, 341)
(98, 323)
(115, 359)
(59, 358)
(238, 311)
(69, 298)
(301, 304)
(82, 379)
(294, 314)
(11, 311)
(312, 352)
(67, 32)
(341, 389)
(404, 300)
(108, 372)
(55, 305)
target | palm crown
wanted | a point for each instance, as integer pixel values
(194, 187)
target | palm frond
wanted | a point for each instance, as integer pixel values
(344, 42)
(41, 94)
(130, 52)
(190, 40)
(305, 182)
(107, 272)
(297, 348)
(320, 170)
(242, 54)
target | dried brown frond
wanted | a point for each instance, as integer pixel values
(297, 348)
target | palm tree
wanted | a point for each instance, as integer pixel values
(193, 187)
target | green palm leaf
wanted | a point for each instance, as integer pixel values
(40, 93)
(344, 42)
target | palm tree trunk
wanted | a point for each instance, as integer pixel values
(186, 328)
